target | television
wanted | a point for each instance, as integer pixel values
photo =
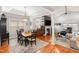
(47, 22)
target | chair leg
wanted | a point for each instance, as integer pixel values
(31, 43)
(18, 41)
(35, 42)
(21, 42)
(26, 43)
(8, 41)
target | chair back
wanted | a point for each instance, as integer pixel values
(17, 33)
(33, 35)
(22, 30)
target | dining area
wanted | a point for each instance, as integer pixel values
(26, 37)
(26, 32)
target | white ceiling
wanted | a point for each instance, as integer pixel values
(70, 18)
(39, 9)
(31, 11)
(36, 11)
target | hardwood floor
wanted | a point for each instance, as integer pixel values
(56, 49)
(46, 49)
(53, 48)
(41, 36)
(50, 48)
(46, 38)
(4, 48)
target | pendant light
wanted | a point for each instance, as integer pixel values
(25, 16)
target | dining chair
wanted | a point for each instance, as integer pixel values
(18, 37)
(32, 39)
(22, 39)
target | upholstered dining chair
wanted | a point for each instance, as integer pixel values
(32, 39)
(22, 39)
(18, 35)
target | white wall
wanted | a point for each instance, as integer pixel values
(13, 23)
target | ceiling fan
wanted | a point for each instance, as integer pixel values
(66, 10)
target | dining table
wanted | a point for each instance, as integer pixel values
(26, 34)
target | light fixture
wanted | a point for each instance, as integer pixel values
(25, 16)
(65, 10)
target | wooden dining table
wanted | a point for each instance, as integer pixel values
(26, 34)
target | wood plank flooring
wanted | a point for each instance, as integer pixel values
(4, 48)
(50, 48)
(46, 38)
(56, 49)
